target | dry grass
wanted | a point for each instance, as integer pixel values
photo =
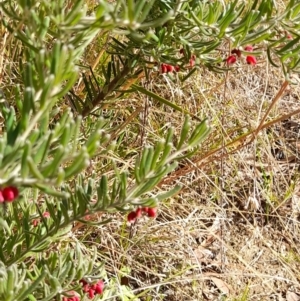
(233, 231)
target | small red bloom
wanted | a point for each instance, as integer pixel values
(91, 293)
(251, 60)
(170, 68)
(231, 60)
(10, 193)
(138, 212)
(86, 288)
(35, 222)
(192, 60)
(249, 48)
(152, 212)
(182, 51)
(46, 214)
(131, 217)
(93, 286)
(163, 68)
(236, 52)
(99, 287)
(92, 289)
(145, 209)
(166, 68)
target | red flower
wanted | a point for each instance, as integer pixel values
(145, 209)
(249, 48)
(93, 286)
(163, 68)
(138, 212)
(231, 60)
(86, 288)
(152, 212)
(92, 289)
(91, 293)
(46, 214)
(251, 60)
(10, 193)
(170, 68)
(236, 52)
(99, 287)
(35, 222)
(192, 60)
(166, 68)
(131, 217)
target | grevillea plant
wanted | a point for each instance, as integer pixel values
(46, 147)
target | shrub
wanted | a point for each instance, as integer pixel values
(47, 149)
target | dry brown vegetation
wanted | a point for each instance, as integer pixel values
(233, 231)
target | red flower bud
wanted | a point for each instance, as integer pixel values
(236, 52)
(170, 68)
(93, 286)
(131, 217)
(231, 60)
(145, 209)
(35, 222)
(163, 68)
(249, 48)
(152, 212)
(192, 60)
(46, 214)
(166, 68)
(138, 212)
(91, 293)
(86, 288)
(99, 287)
(10, 193)
(251, 60)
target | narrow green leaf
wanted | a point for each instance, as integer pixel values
(288, 45)
(184, 132)
(79, 164)
(34, 169)
(199, 134)
(158, 98)
(166, 152)
(157, 152)
(166, 195)
(51, 167)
